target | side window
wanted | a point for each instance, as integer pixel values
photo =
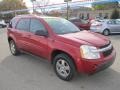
(117, 22)
(36, 25)
(23, 24)
(111, 22)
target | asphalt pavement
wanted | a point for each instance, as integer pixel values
(27, 72)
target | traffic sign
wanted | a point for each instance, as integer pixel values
(67, 0)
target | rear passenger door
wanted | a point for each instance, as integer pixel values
(117, 22)
(112, 26)
(38, 44)
(22, 33)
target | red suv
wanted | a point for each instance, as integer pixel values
(62, 43)
(81, 24)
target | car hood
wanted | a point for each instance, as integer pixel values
(85, 37)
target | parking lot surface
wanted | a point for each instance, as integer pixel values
(27, 72)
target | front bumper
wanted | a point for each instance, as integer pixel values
(98, 30)
(93, 66)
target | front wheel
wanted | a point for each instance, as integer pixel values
(106, 32)
(64, 67)
(13, 48)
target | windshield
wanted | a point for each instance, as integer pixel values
(84, 22)
(61, 26)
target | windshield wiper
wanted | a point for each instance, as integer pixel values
(75, 32)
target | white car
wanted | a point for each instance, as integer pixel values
(2, 23)
(106, 26)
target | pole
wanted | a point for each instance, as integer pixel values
(33, 6)
(67, 8)
(67, 11)
(15, 10)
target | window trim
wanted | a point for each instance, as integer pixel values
(40, 22)
(110, 23)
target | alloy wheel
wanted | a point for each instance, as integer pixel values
(62, 68)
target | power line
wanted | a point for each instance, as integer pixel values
(71, 4)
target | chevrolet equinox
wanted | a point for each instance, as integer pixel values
(62, 43)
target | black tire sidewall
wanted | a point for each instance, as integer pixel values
(105, 31)
(2, 26)
(16, 50)
(71, 64)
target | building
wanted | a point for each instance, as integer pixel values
(89, 12)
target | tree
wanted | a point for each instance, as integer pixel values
(42, 4)
(115, 14)
(12, 5)
(101, 5)
(55, 13)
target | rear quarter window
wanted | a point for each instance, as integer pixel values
(13, 23)
(23, 24)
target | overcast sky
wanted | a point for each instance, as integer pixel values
(29, 4)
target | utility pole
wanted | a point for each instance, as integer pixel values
(67, 11)
(14, 10)
(67, 1)
(33, 5)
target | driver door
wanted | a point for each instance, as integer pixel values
(38, 44)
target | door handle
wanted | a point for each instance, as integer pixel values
(26, 36)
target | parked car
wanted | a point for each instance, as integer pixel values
(2, 24)
(99, 18)
(95, 20)
(81, 24)
(106, 27)
(62, 43)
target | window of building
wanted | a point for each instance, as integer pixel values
(100, 14)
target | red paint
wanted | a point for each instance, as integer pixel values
(81, 24)
(68, 43)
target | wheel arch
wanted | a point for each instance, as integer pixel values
(56, 52)
(107, 29)
(10, 38)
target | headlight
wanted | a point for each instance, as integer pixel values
(87, 52)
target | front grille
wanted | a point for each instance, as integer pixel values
(107, 52)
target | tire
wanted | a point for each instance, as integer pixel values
(64, 67)
(106, 32)
(2, 26)
(13, 48)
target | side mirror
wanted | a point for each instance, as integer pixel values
(41, 33)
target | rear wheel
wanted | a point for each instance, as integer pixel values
(3, 26)
(13, 48)
(64, 67)
(0, 26)
(106, 32)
